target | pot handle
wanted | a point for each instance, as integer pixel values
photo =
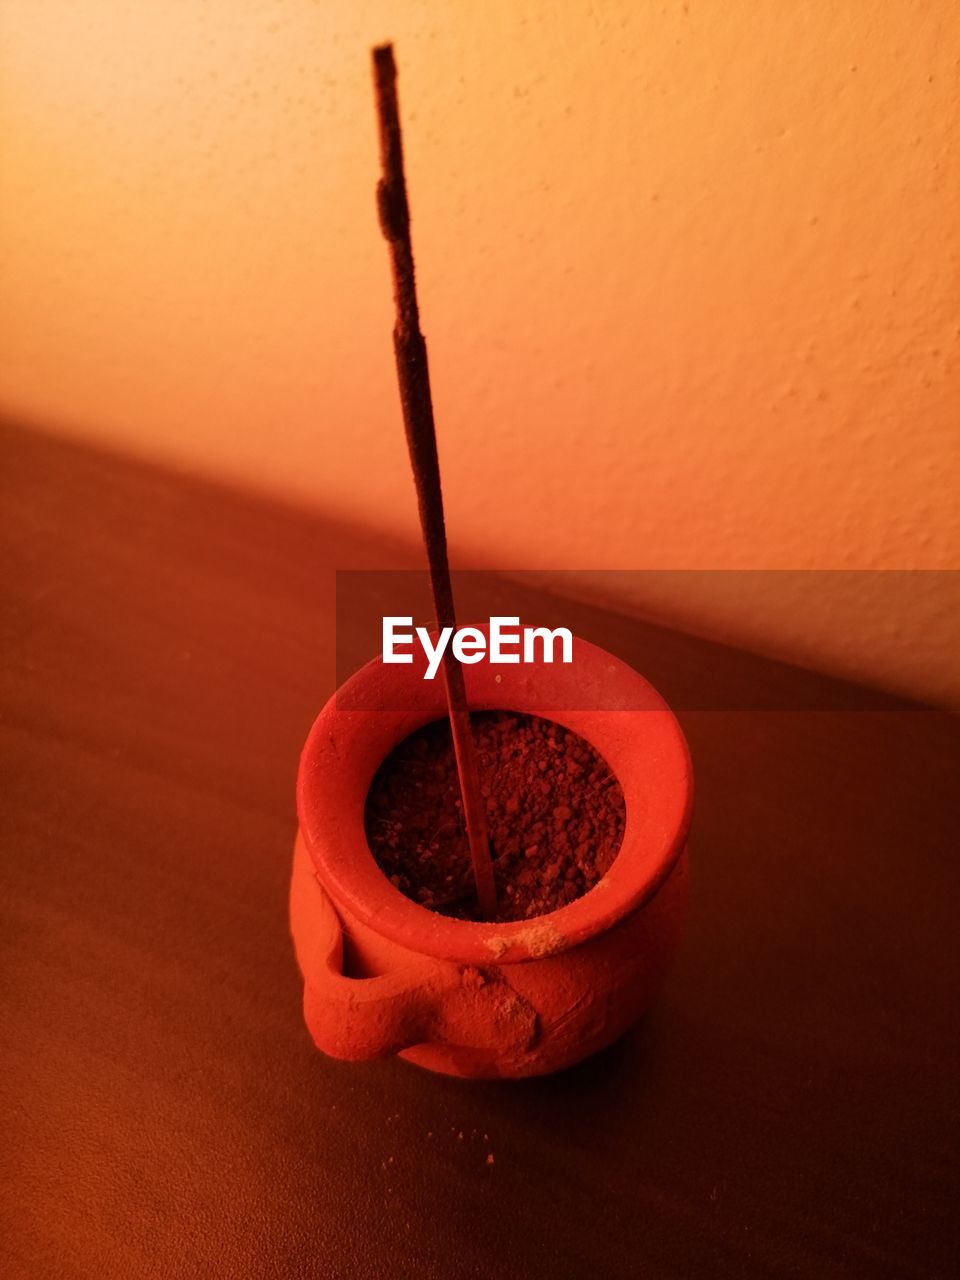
(427, 1001)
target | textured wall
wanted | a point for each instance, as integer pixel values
(689, 274)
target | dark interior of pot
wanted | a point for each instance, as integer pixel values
(555, 814)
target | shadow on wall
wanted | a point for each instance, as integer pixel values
(898, 629)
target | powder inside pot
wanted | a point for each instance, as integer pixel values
(554, 809)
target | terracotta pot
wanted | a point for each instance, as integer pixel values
(383, 975)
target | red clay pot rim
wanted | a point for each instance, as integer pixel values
(642, 743)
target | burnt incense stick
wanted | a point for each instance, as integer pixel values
(414, 379)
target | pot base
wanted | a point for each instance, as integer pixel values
(514, 1020)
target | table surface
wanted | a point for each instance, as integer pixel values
(789, 1107)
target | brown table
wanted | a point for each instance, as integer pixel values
(789, 1108)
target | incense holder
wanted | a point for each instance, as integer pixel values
(383, 975)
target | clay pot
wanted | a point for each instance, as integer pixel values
(383, 975)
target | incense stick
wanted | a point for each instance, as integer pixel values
(414, 379)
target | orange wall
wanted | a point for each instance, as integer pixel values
(688, 273)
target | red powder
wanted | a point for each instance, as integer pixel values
(554, 809)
